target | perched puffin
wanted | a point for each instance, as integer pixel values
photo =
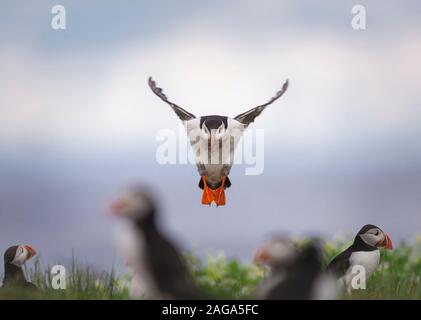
(363, 252)
(139, 288)
(156, 263)
(14, 258)
(295, 274)
(213, 140)
(276, 254)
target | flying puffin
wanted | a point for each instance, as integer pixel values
(363, 252)
(14, 258)
(213, 139)
(295, 274)
(156, 263)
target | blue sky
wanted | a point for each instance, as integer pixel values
(78, 122)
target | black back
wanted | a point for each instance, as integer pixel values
(340, 264)
(9, 254)
(300, 276)
(166, 265)
(214, 122)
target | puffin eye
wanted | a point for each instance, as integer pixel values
(377, 233)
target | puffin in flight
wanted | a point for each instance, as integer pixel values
(14, 258)
(363, 252)
(158, 266)
(213, 139)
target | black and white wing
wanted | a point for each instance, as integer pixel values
(340, 264)
(248, 117)
(181, 113)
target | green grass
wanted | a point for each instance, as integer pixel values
(398, 277)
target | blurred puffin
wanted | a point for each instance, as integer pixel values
(276, 254)
(363, 252)
(295, 274)
(213, 140)
(156, 263)
(139, 288)
(14, 258)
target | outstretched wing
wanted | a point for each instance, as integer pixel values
(181, 113)
(248, 117)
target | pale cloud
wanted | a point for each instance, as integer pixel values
(340, 86)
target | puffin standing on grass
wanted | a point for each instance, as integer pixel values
(295, 273)
(156, 263)
(128, 247)
(14, 258)
(276, 255)
(213, 140)
(363, 252)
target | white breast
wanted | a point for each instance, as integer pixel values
(218, 157)
(131, 245)
(369, 260)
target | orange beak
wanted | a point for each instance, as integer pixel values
(261, 256)
(117, 207)
(387, 243)
(31, 251)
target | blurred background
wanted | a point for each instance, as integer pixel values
(78, 123)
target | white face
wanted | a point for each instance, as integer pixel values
(220, 133)
(214, 134)
(23, 253)
(276, 252)
(133, 205)
(374, 237)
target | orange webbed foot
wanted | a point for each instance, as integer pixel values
(208, 195)
(220, 198)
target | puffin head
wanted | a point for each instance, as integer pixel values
(374, 236)
(135, 204)
(277, 252)
(213, 129)
(18, 255)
